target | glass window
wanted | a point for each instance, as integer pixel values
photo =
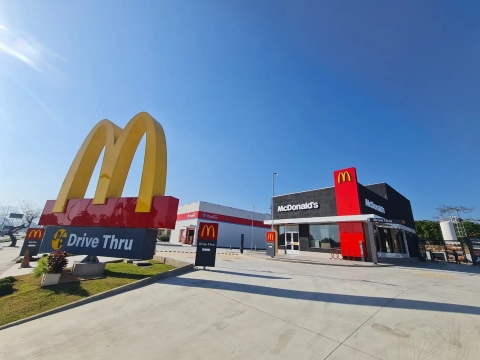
(399, 244)
(292, 228)
(324, 236)
(281, 236)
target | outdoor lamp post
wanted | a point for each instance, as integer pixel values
(251, 245)
(273, 193)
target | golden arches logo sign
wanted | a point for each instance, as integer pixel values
(58, 237)
(271, 236)
(120, 147)
(35, 234)
(208, 231)
(344, 177)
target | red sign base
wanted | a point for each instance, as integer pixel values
(116, 212)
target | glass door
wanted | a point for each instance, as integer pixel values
(292, 243)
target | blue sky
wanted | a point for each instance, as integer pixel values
(244, 88)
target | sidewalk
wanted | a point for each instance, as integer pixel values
(8, 255)
(314, 259)
(189, 249)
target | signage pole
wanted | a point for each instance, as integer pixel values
(371, 242)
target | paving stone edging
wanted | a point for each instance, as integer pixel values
(182, 268)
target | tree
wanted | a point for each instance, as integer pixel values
(445, 210)
(428, 229)
(471, 225)
(30, 213)
(472, 228)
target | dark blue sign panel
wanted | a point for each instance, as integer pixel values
(32, 245)
(101, 241)
(206, 244)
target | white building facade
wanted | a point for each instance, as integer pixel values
(232, 223)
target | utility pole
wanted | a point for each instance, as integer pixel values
(273, 193)
(251, 246)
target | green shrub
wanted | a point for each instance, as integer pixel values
(6, 288)
(41, 268)
(9, 279)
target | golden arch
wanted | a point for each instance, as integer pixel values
(120, 147)
(33, 233)
(343, 176)
(208, 228)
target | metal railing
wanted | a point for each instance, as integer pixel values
(336, 253)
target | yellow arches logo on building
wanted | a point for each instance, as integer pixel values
(120, 147)
(343, 177)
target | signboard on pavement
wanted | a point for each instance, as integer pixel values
(271, 243)
(127, 243)
(474, 245)
(32, 242)
(206, 244)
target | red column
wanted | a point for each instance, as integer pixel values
(348, 203)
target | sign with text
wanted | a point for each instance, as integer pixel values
(125, 243)
(386, 221)
(270, 251)
(32, 242)
(206, 244)
(474, 245)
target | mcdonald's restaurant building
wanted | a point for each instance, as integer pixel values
(358, 221)
(232, 224)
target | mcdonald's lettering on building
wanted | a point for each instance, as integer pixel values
(151, 209)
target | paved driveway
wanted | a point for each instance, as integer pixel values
(249, 308)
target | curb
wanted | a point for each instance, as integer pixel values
(184, 268)
(348, 264)
(194, 252)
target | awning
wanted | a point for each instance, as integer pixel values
(336, 219)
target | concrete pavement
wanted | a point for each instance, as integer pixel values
(8, 255)
(250, 308)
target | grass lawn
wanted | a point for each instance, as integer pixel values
(31, 299)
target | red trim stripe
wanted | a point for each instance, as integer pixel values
(203, 215)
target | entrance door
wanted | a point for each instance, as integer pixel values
(292, 243)
(190, 236)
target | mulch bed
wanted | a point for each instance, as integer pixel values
(67, 277)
